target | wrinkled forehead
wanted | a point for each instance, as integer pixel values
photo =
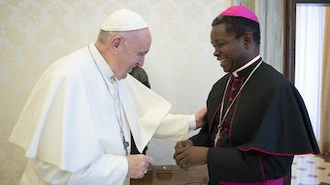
(144, 37)
(137, 35)
(140, 40)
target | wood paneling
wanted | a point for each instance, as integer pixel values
(289, 39)
(173, 175)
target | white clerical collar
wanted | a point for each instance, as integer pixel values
(101, 63)
(246, 65)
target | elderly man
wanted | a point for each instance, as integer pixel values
(77, 123)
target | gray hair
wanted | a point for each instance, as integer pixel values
(104, 36)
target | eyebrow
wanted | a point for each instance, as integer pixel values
(217, 41)
(143, 52)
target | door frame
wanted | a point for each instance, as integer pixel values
(289, 45)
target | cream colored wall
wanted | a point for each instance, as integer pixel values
(34, 33)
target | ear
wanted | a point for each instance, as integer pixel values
(248, 40)
(116, 44)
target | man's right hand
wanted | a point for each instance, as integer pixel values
(138, 165)
(179, 146)
(186, 155)
(183, 143)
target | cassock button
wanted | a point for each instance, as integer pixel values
(233, 89)
(237, 79)
(230, 99)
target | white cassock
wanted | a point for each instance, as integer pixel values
(69, 129)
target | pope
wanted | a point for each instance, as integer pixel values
(77, 123)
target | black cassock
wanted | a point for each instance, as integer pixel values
(264, 128)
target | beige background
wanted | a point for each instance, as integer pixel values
(181, 67)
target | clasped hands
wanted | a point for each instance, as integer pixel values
(186, 155)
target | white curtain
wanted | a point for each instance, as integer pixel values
(308, 67)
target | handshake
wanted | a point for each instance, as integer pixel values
(187, 155)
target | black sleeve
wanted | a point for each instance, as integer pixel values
(202, 138)
(232, 165)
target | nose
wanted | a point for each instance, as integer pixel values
(216, 52)
(140, 62)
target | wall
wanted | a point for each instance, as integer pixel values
(35, 33)
(271, 16)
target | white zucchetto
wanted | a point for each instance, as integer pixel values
(123, 20)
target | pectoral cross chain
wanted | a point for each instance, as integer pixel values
(218, 135)
(126, 144)
(117, 104)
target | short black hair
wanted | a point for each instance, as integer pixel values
(239, 25)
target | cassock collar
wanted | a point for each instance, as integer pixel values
(101, 63)
(241, 72)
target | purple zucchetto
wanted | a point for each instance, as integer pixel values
(240, 11)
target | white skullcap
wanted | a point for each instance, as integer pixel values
(123, 20)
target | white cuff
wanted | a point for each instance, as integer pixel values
(192, 123)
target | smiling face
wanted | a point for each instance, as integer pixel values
(229, 48)
(135, 46)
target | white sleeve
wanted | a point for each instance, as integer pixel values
(175, 127)
(108, 169)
